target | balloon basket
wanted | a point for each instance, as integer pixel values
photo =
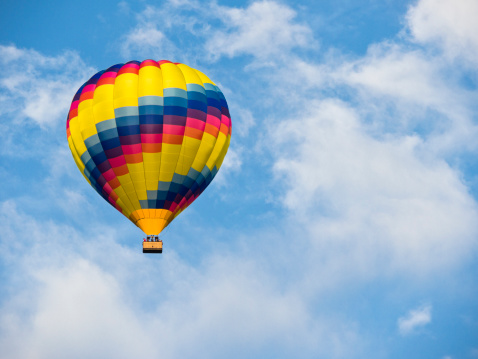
(153, 247)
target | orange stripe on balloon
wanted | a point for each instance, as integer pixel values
(224, 129)
(114, 183)
(114, 195)
(121, 170)
(106, 81)
(134, 158)
(211, 129)
(151, 147)
(73, 113)
(149, 63)
(86, 96)
(173, 139)
(129, 69)
(193, 133)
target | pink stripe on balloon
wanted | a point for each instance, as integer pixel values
(149, 63)
(213, 120)
(151, 138)
(109, 175)
(107, 188)
(195, 123)
(89, 88)
(226, 120)
(182, 202)
(117, 161)
(132, 149)
(173, 130)
(126, 66)
(74, 105)
(109, 74)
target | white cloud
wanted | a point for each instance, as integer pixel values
(150, 39)
(264, 30)
(78, 304)
(447, 24)
(367, 176)
(399, 90)
(125, 304)
(384, 204)
(415, 319)
(244, 120)
(36, 88)
(405, 92)
(145, 39)
(390, 70)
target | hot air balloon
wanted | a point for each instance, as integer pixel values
(149, 137)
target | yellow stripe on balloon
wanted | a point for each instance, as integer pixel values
(173, 77)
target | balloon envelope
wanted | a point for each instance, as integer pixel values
(149, 137)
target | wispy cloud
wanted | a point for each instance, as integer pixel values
(35, 94)
(448, 25)
(38, 88)
(381, 201)
(415, 319)
(265, 29)
(103, 306)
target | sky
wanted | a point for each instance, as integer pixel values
(343, 223)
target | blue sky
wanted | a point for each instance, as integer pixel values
(343, 223)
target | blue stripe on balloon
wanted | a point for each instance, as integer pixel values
(129, 130)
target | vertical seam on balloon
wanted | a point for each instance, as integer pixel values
(162, 213)
(179, 154)
(159, 212)
(76, 151)
(127, 201)
(202, 136)
(73, 138)
(141, 139)
(222, 122)
(88, 150)
(121, 146)
(94, 122)
(127, 198)
(182, 142)
(225, 146)
(141, 143)
(212, 149)
(210, 154)
(70, 144)
(135, 189)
